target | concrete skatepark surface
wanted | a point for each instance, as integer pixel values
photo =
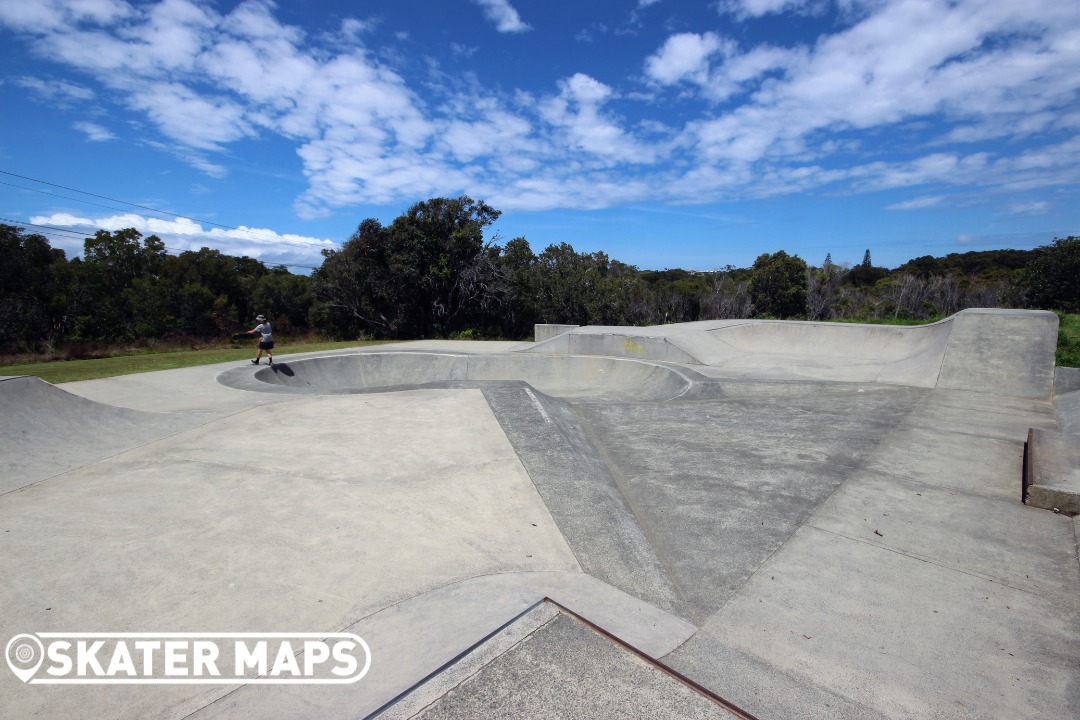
(805, 520)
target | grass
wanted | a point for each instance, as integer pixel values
(1068, 347)
(62, 371)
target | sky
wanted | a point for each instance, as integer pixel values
(665, 133)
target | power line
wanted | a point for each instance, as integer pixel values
(104, 197)
(45, 227)
(245, 231)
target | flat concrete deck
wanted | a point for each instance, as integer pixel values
(833, 546)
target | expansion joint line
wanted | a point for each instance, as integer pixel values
(118, 453)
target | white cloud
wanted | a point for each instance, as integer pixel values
(683, 57)
(919, 203)
(503, 14)
(986, 98)
(94, 132)
(180, 234)
(1039, 207)
(58, 91)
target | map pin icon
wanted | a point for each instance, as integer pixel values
(24, 654)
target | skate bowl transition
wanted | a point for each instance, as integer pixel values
(978, 350)
(558, 376)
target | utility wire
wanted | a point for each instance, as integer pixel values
(104, 197)
(45, 227)
(247, 231)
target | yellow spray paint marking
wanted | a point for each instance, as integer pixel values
(630, 346)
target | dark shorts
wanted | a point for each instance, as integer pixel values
(266, 344)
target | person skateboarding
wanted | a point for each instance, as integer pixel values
(266, 341)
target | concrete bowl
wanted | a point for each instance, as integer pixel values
(555, 375)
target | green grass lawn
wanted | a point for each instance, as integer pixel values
(69, 370)
(1068, 349)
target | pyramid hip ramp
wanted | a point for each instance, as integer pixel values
(1001, 352)
(45, 431)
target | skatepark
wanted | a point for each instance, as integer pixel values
(717, 519)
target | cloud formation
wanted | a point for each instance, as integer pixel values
(503, 14)
(181, 234)
(94, 132)
(987, 98)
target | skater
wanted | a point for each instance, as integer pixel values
(266, 342)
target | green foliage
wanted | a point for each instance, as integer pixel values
(126, 288)
(421, 277)
(865, 276)
(1068, 347)
(778, 285)
(1053, 277)
(982, 264)
(431, 273)
(34, 285)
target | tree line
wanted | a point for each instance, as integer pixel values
(431, 273)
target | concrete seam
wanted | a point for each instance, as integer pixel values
(944, 355)
(124, 451)
(928, 561)
(1076, 537)
(930, 486)
(285, 473)
(344, 627)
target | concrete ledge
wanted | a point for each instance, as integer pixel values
(1052, 471)
(546, 331)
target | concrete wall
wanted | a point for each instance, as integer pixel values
(546, 331)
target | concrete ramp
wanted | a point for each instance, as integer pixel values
(1008, 352)
(558, 376)
(893, 355)
(45, 430)
(1003, 352)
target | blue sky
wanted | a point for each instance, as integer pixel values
(666, 134)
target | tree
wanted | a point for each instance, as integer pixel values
(519, 281)
(866, 259)
(778, 285)
(423, 276)
(1053, 277)
(34, 285)
(726, 297)
(823, 289)
(285, 298)
(105, 301)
